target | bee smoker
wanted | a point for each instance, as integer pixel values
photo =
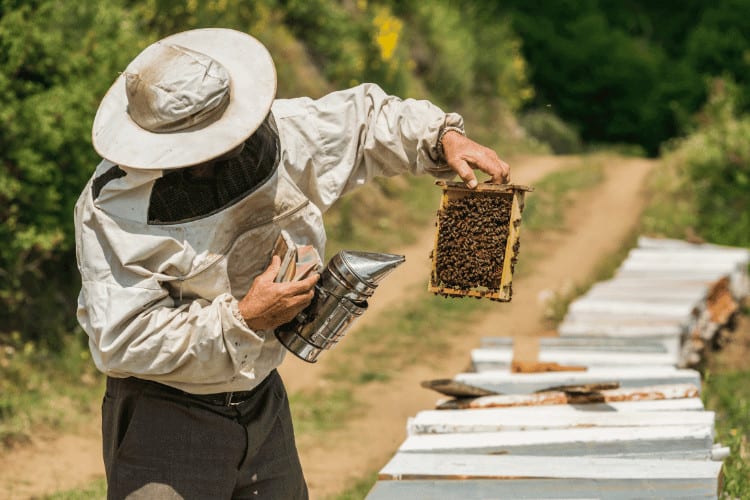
(341, 294)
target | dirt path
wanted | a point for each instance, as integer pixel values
(600, 221)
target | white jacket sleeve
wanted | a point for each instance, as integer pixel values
(346, 138)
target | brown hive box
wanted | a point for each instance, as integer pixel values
(477, 240)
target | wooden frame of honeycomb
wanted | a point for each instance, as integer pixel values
(477, 240)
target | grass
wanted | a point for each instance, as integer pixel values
(383, 215)
(727, 392)
(42, 387)
(96, 490)
(671, 211)
(545, 207)
(359, 489)
(321, 410)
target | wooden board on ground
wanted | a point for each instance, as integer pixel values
(472, 477)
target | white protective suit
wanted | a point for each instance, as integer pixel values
(159, 302)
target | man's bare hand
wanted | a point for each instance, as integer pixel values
(268, 304)
(464, 155)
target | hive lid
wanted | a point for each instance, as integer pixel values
(370, 267)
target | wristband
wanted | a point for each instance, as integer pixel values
(439, 145)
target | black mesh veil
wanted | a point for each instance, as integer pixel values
(180, 196)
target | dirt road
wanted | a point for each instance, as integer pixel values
(598, 223)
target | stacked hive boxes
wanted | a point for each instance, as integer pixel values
(631, 425)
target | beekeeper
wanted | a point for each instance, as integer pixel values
(202, 169)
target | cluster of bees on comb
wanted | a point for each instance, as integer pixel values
(471, 241)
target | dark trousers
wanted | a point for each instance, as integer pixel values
(162, 443)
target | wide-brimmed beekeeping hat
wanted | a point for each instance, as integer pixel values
(186, 99)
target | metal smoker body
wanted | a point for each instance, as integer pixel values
(341, 294)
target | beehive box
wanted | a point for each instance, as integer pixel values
(477, 240)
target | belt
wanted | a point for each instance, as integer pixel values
(224, 398)
(217, 399)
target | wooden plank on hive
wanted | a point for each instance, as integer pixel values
(738, 279)
(545, 398)
(589, 343)
(504, 382)
(523, 419)
(645, 242)
(682, 442)
(651, 288)
(472, 477)
(451, 387)
(483, 489)
(530, 401)
(639, 308)
(732, 255)
(610, 325)
(683, 254)
(668, 332)
(500, 358)
(680, 262)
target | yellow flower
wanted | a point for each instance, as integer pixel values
(389, 30)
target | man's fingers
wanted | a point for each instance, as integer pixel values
(466, 173)
(303, 286)
(501, 173)
(464, 155)
(272, 270)
(492, 165)
(505, 171)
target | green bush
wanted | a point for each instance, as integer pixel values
(548, 128)
(717, 166)
(460, 52)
